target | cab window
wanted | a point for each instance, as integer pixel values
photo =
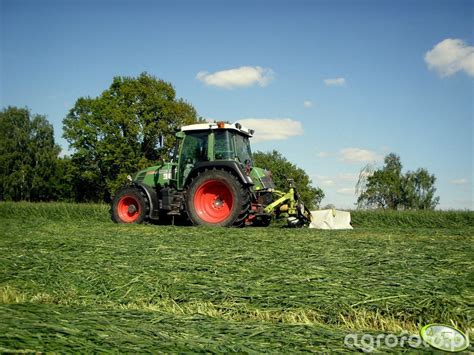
(194, 150)
(223, 145)
(242, 149)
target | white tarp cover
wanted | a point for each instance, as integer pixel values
(330, 219)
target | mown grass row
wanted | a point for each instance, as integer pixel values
(42, 327)
(360, 218)
(273, 287)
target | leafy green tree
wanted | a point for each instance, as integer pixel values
(129, 126)
(419, 190)
(282, 170)
(382, 188)
(389, 188)
(28, 156)
(64, 180)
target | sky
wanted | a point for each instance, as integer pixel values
(332, 85)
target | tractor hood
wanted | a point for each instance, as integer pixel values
(262, 179)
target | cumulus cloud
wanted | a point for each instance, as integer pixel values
(358, 155)
(237, 77)
(335, 82)
(325, 181)
(450, 56)
(459, 181)
(267, 129)
(308, 104)
(323, 155)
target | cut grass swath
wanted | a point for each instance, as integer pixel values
(91, 285)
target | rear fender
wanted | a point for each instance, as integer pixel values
(231, 166)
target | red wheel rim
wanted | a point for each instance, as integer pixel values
(213, 201)
(128, 209)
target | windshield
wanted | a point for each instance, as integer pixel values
(242, 149)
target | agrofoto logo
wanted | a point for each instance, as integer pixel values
(444, 337)
(437, 336)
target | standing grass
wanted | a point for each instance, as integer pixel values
(57, 211)
(70, 279)
(360, 218)
(412, 218)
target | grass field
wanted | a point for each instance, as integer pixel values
(70, 280)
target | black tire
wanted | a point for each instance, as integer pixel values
(235, 199)
(124, 203)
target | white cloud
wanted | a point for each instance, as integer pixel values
(357, 155)
(325, 181)
(323, 154)
(450, 56)
(346, 191)
(308, 103)
(267, 129)
(462, 181)
(340, 180)
(237, 77)
(335, 82)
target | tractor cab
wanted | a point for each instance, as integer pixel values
(212, 142)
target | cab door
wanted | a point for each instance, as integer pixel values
(194, 149)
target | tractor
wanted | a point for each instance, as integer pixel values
(210, 181)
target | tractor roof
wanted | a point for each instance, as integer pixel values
(218, 125)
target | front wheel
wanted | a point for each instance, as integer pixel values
(217, 198)
(129, 206)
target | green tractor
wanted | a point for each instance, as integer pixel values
(210, 181)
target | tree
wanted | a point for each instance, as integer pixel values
(282, 170)
(382, 188)
(419, 190)
(388, 188)
(64, 180)
(131, 125)
(28, 156)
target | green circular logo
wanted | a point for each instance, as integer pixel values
(444, 337)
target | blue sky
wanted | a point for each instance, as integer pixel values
(333, 85)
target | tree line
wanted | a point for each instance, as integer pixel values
(128, 127)
(388, 188)
(132, 125)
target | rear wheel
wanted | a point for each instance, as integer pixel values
(129, 206)
(217, 198)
